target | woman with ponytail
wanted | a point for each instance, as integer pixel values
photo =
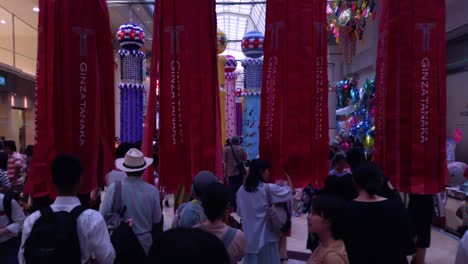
(377, 228)
(252, 203)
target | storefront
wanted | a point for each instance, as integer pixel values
(17, 107)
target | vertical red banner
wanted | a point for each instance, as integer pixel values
(294, 118)
(150, 118)
(189, 97)
(411, 95)
(75, 92)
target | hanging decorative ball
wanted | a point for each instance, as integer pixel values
(231, 64)
(222, 41)
(131, 36)
(344, 18)
(252, 44)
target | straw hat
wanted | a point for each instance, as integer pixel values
(133, 161)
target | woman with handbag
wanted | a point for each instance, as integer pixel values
(262, 220)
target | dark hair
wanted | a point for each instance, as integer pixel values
(66, 172)
(355, 157)
(368, 177)
(331, 208)
(10, 144)
(29, 151)
(122, 149)
(338, 158)
(256, 169)
(137, 145)
(135, 173)
(188, 245)
(215, 201)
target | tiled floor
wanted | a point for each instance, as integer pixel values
(442, 251)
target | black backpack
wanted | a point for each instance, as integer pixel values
(54, 238)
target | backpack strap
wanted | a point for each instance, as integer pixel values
(117, 200)
(46, 211)
(268, 194)
(229, 236)
(7, 207)
(76, 212)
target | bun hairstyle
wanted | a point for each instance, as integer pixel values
(368, 177)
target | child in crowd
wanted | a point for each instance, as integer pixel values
(324, 220)
(340, 166)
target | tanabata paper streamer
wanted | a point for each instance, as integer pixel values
(239, 111)
(131, 38)
(294, 117)
(190, 139)
(253, 69)
(411, 140)
(230, 86)
(222, 100)
(74, 93)
(251, 121)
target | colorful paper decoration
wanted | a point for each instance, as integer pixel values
(230, 86)
(222, 41)
(231, 64)
(253, 69)
(351, 15)
(130, 36)
(252, 44)
(132, 69)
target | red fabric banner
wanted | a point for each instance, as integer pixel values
(75, 92)
(411, 95)
(189, 97)
(294, 117)
(150, 118)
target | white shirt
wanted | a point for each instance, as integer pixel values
(115, 176)
(462, 253)
(17, 216)
(252, 207)
(91, 227)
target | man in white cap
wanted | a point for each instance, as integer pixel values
(141, 199)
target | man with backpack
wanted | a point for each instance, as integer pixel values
(132, 210)
(11, 222)
(66, 232)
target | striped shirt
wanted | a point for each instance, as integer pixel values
(4, 181)
(15, 166)
(230, 164)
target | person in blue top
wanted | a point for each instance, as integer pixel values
(191, 213)
(252, 202)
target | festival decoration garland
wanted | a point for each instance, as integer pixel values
(351, 15)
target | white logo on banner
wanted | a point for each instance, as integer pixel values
(83, 33)
(425, 29)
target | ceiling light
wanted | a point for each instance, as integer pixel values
(36, 9)
(3, 21)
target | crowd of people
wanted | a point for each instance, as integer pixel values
(358, 217)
